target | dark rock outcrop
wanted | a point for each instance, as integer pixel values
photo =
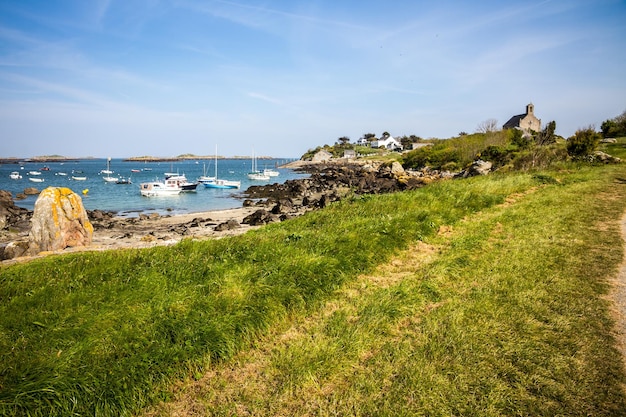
(260, 217)
(229, 225)
(331, 182)
(12, 216)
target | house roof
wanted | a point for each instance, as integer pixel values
(514, 121)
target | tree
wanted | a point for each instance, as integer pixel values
(583, 143)
(489, 125)
(614, 127)
(344, 140)
(546, 136)
(370, 137)
(408, 141)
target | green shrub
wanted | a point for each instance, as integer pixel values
(435, 156)
(583, 143)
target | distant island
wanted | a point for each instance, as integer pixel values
(187, 157)
(41, 159)
(60, 158)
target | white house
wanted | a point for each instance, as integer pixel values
(388, 143)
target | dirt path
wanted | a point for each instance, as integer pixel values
(618, 296)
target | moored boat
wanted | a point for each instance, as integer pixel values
(182, 182)
(255, 174)
(271, 172)
(258, 175)
(79, 178)
(36, 179)
(219, 183)
(108, 170)
(158, 189)
(15, 175)
(204, 178)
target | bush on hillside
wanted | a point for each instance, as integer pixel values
(614, 127)
(583, 143)
(454, 153)
(434, 157)
(538, 157)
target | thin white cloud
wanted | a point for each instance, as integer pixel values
(100, 12)
(263, 17)
(46, 89)
(265, 98)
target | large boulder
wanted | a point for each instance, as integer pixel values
(59, 221)
(605, 158)
(478, 167)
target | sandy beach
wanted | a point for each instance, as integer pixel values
(168, 230)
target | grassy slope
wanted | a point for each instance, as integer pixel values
(503, 314)
(507, 315)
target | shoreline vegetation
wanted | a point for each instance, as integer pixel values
(482, 296)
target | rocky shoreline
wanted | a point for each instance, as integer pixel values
(327, 182)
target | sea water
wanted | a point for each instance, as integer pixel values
(125, 199)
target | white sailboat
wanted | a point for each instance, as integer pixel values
(271, 172)
(204, 178)
(108, 171)
(219, 183)
(255, 174)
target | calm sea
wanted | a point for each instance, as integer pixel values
(125, 199)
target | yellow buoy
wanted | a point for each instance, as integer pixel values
(85, 191)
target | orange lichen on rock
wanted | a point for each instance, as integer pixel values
(59, 221)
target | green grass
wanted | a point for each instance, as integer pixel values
(508, 318)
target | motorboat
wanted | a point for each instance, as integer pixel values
(183, 183)
(159, 188)
(15, 175)
(122, 180)
(79, 178)
(36, 179)
(34, 173)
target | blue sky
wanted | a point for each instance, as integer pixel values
(165, 77)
